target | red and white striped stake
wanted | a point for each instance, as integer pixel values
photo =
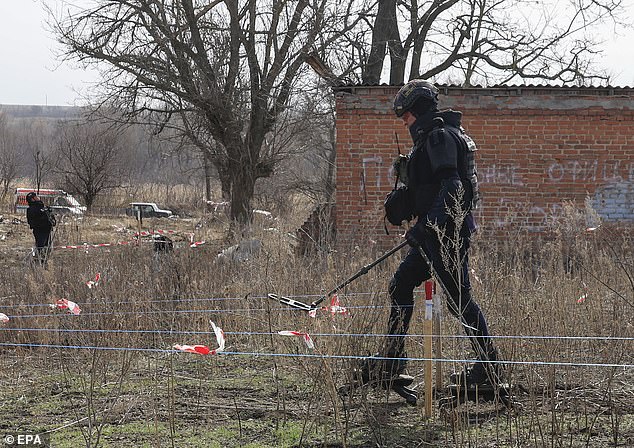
(428, 328)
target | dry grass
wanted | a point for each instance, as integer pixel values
(128, 398)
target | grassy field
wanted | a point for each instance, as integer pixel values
(563, 309)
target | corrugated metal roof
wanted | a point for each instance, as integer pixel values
(493, 87)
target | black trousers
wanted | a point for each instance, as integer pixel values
(42, 243)
(413, 271)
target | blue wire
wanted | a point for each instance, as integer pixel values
(320, 356)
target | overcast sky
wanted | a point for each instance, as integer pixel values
(32, 75)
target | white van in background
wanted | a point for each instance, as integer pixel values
(58, 200)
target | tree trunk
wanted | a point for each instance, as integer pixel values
(5, 188)
(416, 58)
(89, 198)
(380, 36)
(225, 175)
(385, 34)
(242, 190)
(207, 174)
(398, 54)
(398, 57)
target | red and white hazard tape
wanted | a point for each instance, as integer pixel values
(91, 246)
(93, 283)
(64, 304)
(334, 308)
(203, 349)
(119, 243)
(198, 349)
(307, 339)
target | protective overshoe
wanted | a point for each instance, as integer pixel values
(381, 369)
(480, 374)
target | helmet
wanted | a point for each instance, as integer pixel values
(30, 197)
(413, 91)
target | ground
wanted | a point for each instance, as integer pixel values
(109, 377)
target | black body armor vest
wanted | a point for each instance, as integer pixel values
(424, 179)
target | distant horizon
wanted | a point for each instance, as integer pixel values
(37, 105)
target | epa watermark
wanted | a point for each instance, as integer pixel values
(26, 440)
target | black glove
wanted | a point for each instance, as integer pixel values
(415, 236)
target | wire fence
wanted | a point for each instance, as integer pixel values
(118, 309)
(317, 355)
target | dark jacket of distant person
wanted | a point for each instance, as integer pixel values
(38, 218)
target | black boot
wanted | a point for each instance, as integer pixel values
(380, 369)
(480, 373)
(477, 374)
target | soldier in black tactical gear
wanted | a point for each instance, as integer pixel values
(441, 192)
(41, 220)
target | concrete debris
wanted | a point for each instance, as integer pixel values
(263, 213)
(241, 252)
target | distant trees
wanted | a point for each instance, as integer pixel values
(223, 71)
(31, 153)
(35, 147)
(10, 157)
(89, 158)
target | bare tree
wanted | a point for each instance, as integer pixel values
(10, 158)
(489, 41)
(89, 158)
(310, 132)
(35, 139)
(226, 68)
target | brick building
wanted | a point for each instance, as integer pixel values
(539, 147)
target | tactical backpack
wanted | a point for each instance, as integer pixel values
(50, 216)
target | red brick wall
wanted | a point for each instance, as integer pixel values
(539, 147)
